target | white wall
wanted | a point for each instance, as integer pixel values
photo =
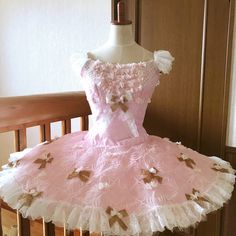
(231, 137)
(37, 38)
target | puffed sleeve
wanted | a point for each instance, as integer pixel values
(78, 60)
(163, 60)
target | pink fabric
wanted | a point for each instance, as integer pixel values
(116, 151)
(113, 154)
(120, 167)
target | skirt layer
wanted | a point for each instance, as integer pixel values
(140, 186)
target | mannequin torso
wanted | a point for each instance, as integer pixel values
(121, 47)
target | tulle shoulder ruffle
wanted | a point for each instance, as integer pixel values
(164, 61)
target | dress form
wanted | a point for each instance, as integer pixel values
(121, 46)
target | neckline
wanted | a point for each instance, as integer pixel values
(120, 64)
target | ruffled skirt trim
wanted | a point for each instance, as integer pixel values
(94, 219)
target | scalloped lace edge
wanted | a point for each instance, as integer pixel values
(94, 219)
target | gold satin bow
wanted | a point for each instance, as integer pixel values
(119, 103)
(217, 167)
(43, 161)
(188, 161)
(116, 218)
(29, 197)
(13, 164)
(195, 196)
(83, 175)
(149, 176)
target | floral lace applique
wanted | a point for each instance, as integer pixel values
(120, 79)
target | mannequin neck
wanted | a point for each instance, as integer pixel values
(120, 35)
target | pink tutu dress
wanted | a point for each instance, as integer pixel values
(115, 178)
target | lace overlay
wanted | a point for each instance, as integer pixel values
(115, 178)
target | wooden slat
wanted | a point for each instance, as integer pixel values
(45, 132)
(84, 123)
(20, 144)
(26, 111)
(66, 127)
(77, 233)
(23, 225)
(48, 229)
(85, 233)
(20, 140)
(70, 233)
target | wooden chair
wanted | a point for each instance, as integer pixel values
(19, 113)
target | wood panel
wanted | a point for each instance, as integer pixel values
(215, 95)
(26, 111)
(176, 26)
(229, 226)
(133, 15)
(191, 105)
(215, 91)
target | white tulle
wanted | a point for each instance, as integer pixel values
(95, 219)
(163, 60)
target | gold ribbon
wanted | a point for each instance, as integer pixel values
(149, 176)
(13, 164)
(117, 103)
(217, 167)
(196, 197)
(188, 161)
(28, 198)
(83, 175)
(115, 218)
(43, 161)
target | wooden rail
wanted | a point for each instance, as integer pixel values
(19, 113)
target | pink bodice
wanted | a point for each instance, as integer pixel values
(118, 95)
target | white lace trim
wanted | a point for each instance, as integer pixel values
(163, 60)
(93, 219)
